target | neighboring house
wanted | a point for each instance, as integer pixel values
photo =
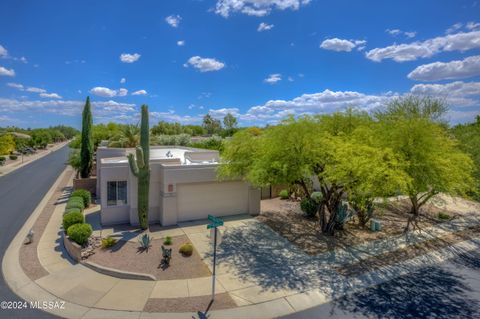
(183, 187)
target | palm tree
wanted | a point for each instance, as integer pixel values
(129, 136)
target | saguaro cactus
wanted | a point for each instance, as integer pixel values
(141, 169)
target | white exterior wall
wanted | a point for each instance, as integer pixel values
(165, 178)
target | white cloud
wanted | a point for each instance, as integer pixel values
(457, 93)
(454, 28)
(103, 91)
(17, 86)
(35, 90)
(273, 78)
(50, 95)
(472, 26)
(109, 110)
(122, 92)
(458, 69)
(181, 43)
(462, 41)
(205, 64)
(396, 32)
(173, 20)
(123, 80)
(3, 52)
(264, 27)
(220, 113)
(336, 44)
(140, 92)
(129, 58)
(257, 8)
(6, 72)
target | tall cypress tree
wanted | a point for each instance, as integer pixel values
(86, 151)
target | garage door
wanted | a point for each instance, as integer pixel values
(196, 201)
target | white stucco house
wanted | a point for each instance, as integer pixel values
(183, 187)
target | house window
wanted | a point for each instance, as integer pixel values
(116, 193)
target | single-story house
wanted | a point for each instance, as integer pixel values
(183, 187)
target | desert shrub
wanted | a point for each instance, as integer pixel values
(309, 206)
(79, 233)
(72, 219)
(317, 197)
(214, 142)
(186, 249)
(167, 240)
(75, 202)
(283, 194)
(13, 157)
(443, 216)
(108, 242)
(72, 210)
(85, 195)
(180, 140)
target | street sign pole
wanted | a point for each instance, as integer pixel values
(214, 261)
(215, 223)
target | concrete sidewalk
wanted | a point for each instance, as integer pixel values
(260, 291)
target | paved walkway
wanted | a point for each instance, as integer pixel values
(263, 273)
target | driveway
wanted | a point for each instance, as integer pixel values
(448, 290)
(20, 193)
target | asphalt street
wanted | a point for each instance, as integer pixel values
(20, 193)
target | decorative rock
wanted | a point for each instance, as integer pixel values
(29, 237)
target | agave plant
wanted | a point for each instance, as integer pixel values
(144, 241)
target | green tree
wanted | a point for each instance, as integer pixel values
(211, 124)
(129, 136)
(431, 158)
(7, 144)
(75, 161)
(469, 137)
(86, 149)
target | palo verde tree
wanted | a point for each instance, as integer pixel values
(86, 147)
(141, 168)
(298, 149)
(411, 127)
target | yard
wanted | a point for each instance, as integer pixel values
(286, 218)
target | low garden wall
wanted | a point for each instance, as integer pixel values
(73, 249)
(90, 184)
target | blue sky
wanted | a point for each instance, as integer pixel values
(258, 59)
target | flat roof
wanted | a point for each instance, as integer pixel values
(171, 153)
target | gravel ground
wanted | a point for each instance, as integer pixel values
(28, 253)
(189, 304)
(128, 257)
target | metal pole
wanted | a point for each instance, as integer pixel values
(214, 262)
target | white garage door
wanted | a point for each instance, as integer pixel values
(196, 201)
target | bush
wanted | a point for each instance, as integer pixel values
(186, 249)
(108, 242)
(85, 195)
(317, 197)
(72, 210)
(79, 233)
(13, 157)
(2, 160)
(443, 216)
(283, 194)
(75, 202)
(309, 206)
(167, 241)
(72, 219)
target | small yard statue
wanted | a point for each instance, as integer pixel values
(29, 237)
